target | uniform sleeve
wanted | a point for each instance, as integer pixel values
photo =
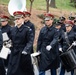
(1, 40)
(55, 39)
(39, 42)
(33, 29)
(30, 39)
(75, 35)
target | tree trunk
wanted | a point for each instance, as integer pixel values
(52, 4)
(47, 4)
(31, 3)
(71, 1)
(75, 3)
(31, 7)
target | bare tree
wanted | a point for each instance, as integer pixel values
(47, 4)
(71, 1)
(52, 4)
(75, 3)
(31, 3)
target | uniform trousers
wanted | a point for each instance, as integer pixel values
(53, 72)
(62, 71)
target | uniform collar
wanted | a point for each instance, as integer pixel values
(69, 31)
(27, 22)
(5, 26)
(50, 28)
(21, 28)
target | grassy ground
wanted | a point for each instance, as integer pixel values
(41, 4)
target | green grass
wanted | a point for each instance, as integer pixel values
(4, 1)
(41, 4)
(65, 5)
(38, 4)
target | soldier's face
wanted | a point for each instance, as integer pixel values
(19, 21)
(68, 28)
(58, 27)
(49, 22)
(26, 18)
(4, 23)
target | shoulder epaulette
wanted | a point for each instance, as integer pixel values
(27, 26)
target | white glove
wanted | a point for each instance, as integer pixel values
(24, 52)
(8, 45)
(48, 47)
(60, 49)
(74, 43)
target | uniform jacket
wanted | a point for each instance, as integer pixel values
(31, 25)
(2, 69)
(74, 28)
(6, 29)
(63, 27)
(1, 40)
(48, 36)
(71, 36)
(22, 39)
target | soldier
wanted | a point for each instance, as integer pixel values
(68, 39)
(62, 19)
(47, 45)
(59, 30)
(2, 68)
(28, 23)
(5, 27)
(22, 41)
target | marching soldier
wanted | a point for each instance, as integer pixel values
(62, 19)
(2, 68)
(47, 45)
(22, 41)
(28, 23)
(5, 27)
(68, 39)
(59, 30)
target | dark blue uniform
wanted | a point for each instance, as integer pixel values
(22, 39)
(2, 69)
(48, 59)
(7, 29)
(74, 28)
(63, 27)
(31, 25)
(72, 37)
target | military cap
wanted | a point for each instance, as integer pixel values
(18, 14)
(3, 17)
(58, 23)
(71, 17)
(48, 16)
(27, 13)
(62, 18)
(69, 23)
